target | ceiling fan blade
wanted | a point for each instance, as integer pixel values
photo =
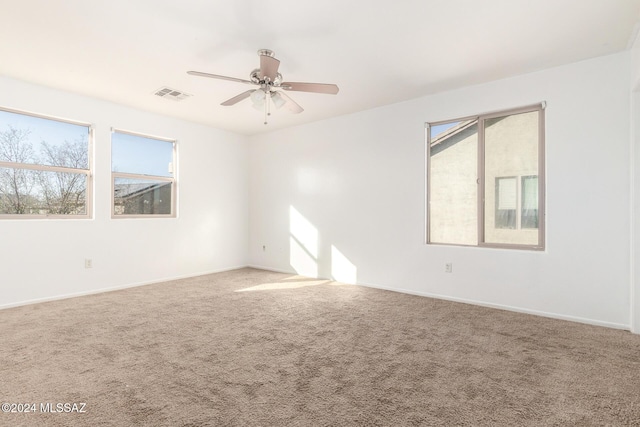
(215, 76)
(291, 105)
(238, 98)
(269, 67)
(310, 87)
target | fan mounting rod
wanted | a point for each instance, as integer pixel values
(266, 52)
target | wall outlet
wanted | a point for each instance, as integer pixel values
(88, 263)
(264, 248)
(448, 267)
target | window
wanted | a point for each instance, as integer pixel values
(45, 167)
(143, 175)
(485, 180)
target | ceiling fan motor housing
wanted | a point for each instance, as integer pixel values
(255, 78)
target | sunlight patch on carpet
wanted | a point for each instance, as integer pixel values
(284, 285)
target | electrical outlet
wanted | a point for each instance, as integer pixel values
(88, 263)
(264, 248)
(448, 267)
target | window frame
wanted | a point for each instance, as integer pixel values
(541, 245)
(50, 168)
(126, 175)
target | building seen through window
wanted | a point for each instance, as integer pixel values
(484, 185)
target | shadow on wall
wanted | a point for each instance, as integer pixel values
(304, 250)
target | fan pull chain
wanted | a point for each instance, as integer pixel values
(267, 106)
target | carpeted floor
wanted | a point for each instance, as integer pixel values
(256, 348)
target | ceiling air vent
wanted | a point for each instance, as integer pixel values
(172, 94)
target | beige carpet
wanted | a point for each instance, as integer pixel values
(255, 348)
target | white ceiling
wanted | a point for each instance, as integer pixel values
(377, 52)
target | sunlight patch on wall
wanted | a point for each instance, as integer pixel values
(303, 231)
(303, 244)
(301, 261)
(342, 269)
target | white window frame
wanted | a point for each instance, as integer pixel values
(48, 168)
(540, 246)
(172, 179)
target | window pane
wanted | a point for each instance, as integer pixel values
(529, 202)
(141, 155)
(506, 202)
(36, 192)
(511, 150)
(453, 197)
(142, 197)
(35, 140)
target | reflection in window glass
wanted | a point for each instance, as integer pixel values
(142, 197)
(506, 202)
(529, 202)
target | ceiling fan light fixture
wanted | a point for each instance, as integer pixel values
(258, 98)
(277, 99)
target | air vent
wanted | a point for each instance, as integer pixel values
(172, 94)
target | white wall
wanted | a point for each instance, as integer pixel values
(358, 182)
(42, 259)
(635, 212)
(635, 184)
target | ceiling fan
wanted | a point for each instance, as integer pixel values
(270, 82)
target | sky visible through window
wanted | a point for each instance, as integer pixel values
(141, 155)
(52, 132)
(438, 129)
(130, 153)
